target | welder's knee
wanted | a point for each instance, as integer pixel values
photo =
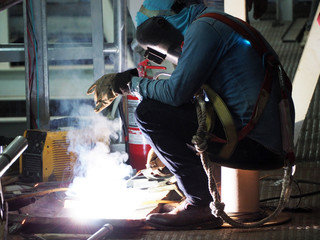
(145, 112)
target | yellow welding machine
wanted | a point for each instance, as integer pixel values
(47, 157)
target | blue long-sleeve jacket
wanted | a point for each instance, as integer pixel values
(213, 53)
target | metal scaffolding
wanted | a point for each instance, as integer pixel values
(48, 52)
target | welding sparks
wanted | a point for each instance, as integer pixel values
(102, 192)
(99, 188)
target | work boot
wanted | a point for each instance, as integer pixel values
(184, 216)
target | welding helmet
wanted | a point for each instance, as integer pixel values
(161, 25)
(160, 39)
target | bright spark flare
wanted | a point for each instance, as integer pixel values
(99, 189)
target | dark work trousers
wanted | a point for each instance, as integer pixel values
(169, 131)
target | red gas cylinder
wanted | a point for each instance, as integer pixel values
(137, 147)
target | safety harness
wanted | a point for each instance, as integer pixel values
(264, 50)
(232, 136)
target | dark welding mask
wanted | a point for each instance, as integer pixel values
(160, 39)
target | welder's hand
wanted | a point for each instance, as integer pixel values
(122, 80)
(109, 86)
(103, 91)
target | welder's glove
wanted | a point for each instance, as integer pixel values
(103, 91)
(109, 86)
(122, 80)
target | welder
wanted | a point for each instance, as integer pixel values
(205, 51)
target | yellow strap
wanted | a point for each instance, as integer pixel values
(227, 122)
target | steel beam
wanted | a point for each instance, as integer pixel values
(15, 52)
(26, 45)
(120, 37)
(97, 38)
(39, 101)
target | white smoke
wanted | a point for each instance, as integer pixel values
(100, 175)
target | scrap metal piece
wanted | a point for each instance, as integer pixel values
(7, 158)
(102, 232)
(11, 153)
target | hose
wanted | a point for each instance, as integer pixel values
(217, 207)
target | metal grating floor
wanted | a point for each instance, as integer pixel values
(308, 146)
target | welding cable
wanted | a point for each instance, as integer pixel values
(279, 181)
(293, 196)
(29, 38)
(32, 40)
(299, 190)
(301, 195)
(36, 64)
(308, 181)
(298, 196)
(38, 193)
(31, 64)
(277, 198)
(30, 67)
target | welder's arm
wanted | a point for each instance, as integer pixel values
(109, 86)
(200, 54)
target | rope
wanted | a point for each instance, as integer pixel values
(217, 207)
